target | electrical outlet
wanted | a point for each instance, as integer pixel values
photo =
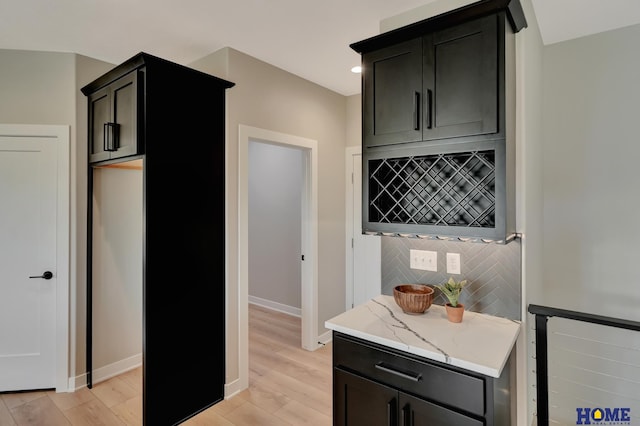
(453, 263)
(424, 260)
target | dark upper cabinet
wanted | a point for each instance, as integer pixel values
(438, 125)
(113, 119)
(392, 93)
(442, 85)
(461, 80)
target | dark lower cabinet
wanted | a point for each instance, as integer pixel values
(360, 401)
(376, 385)
(417, 412)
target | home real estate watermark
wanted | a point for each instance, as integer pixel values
(603, 416)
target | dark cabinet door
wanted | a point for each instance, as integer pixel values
(461, 80)
(113, 118)
(418, 412)
(99, 113)
(392, 94)
(125, 114)
(358, 401)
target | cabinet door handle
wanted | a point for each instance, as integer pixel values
(391, 417)
(428, 113)
(111, 136)
(414, 377)
(416, 111)
(405, 416)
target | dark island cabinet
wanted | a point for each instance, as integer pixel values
(442, 85)
(114, 112)
(149, 109)
(377, 385)
(360, 401)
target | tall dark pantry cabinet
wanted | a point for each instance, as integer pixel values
(171, 119)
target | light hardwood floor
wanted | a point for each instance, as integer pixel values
(287, 386)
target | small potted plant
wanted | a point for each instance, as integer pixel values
(452, 289)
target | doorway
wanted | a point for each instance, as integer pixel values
(309, 237)
(363, 271)
(275, 226)
(34, 235)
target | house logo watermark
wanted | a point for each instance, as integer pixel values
(603, 416)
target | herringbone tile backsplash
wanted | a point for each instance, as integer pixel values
(492, 272)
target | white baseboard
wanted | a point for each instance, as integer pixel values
(233, 388)
(104, 373)
(280, 307)
(325, 337)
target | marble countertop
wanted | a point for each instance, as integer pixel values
(480, 343)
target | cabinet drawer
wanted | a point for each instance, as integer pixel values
(404, 372)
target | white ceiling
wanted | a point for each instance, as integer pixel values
(307, 38)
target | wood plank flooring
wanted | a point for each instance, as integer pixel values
(287, 386)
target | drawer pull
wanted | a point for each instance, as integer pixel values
(409, 375)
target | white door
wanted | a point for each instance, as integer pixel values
(28, 262)
(365, 249)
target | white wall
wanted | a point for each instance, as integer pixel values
(117, 267)
(590, 241)
(591, 92)
(275, 222)
(354, 120)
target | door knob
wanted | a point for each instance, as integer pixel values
(47, 275)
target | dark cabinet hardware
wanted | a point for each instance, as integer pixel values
(390, 414)
(414, 377)
(429, 109)
(47, 275)
(416, 111)
(405, 416)
(111, 132)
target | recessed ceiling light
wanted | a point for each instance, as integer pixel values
(356, 69)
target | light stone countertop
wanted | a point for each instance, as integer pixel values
(480, 343)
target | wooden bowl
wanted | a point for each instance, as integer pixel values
(413, 298)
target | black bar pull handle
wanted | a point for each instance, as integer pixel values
(47, 275)
(405, 416)
(429, 112)
(111, 136)
(414, 377)
(416, 111)
(391, 415)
